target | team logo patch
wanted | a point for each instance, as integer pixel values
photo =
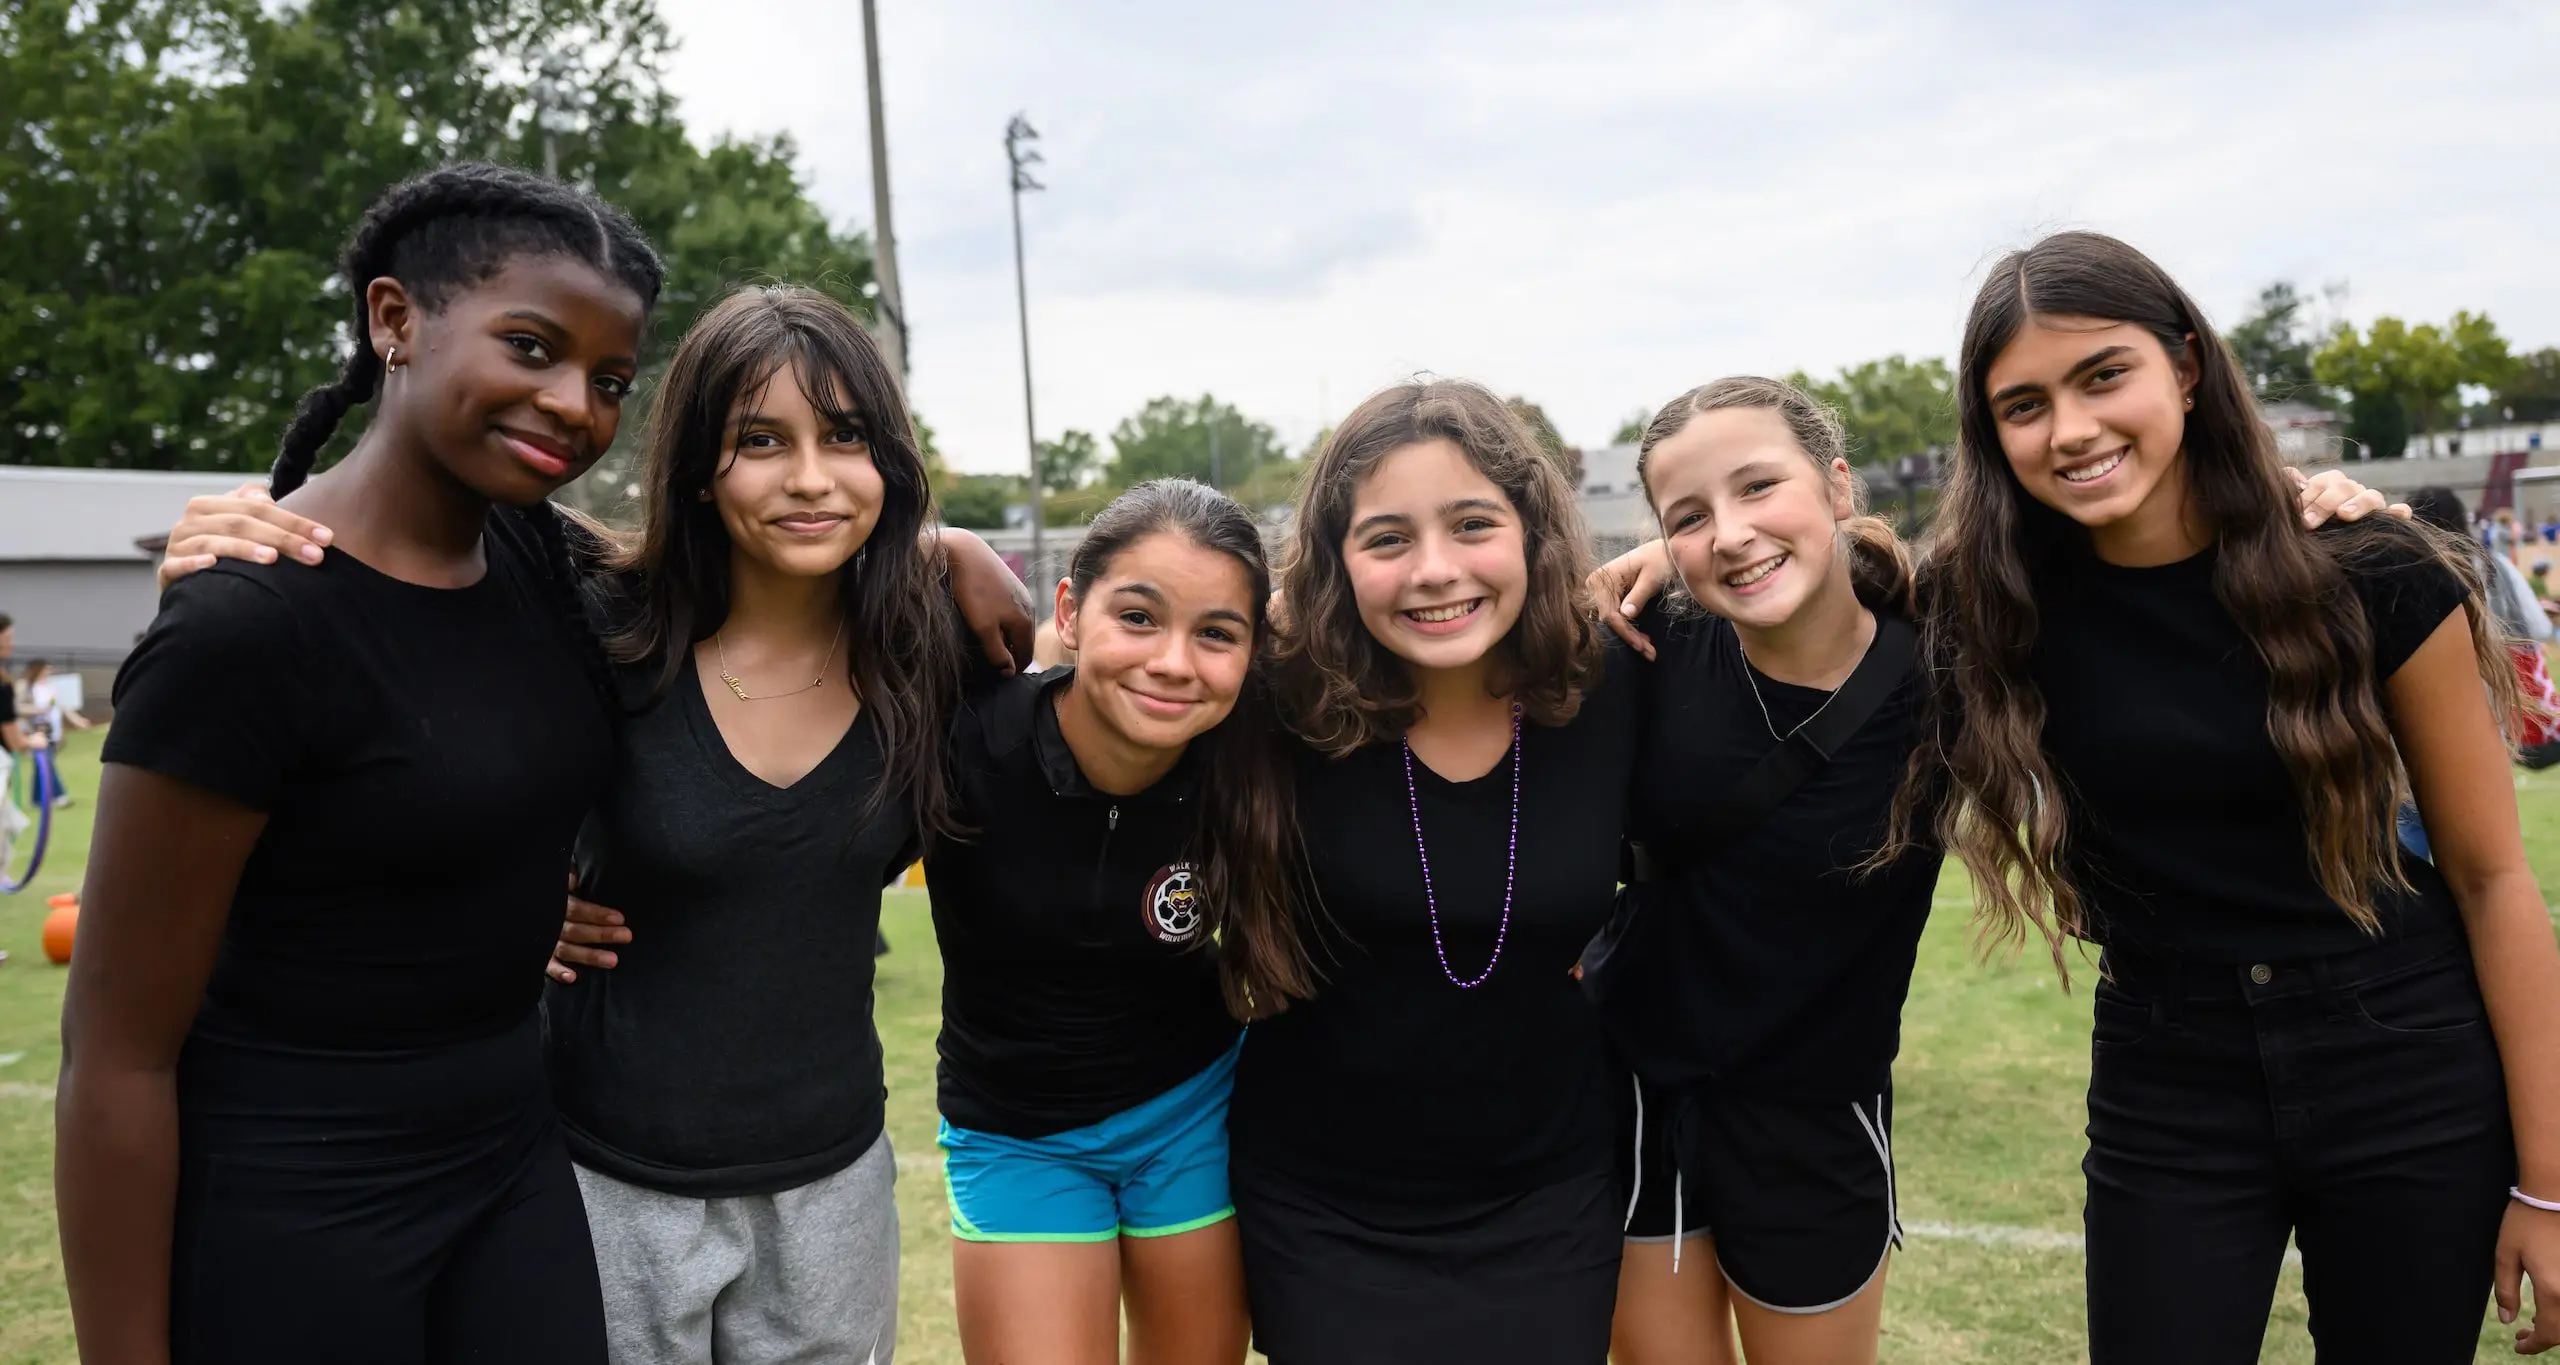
(1173, 903)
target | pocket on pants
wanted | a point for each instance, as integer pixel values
(2436, 999)
(2118, 1019)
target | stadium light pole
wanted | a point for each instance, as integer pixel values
(1018, 134)
(884, 245)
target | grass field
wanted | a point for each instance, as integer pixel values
(1987, 1135)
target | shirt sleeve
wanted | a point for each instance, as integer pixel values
(2407, 593)
(215, 694)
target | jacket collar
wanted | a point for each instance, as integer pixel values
(1030, 716)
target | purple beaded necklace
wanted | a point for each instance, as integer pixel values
(1510, 868)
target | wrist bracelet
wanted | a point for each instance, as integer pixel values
(2516, 1193)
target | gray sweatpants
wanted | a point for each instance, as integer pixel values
(805, 1277)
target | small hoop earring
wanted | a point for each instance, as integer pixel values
(391, 359)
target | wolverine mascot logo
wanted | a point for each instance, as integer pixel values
(1173, 904)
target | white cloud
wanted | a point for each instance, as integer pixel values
(1598, 205)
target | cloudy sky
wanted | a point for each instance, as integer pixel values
(1600, 203)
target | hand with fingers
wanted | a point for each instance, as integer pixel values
(1622, 587)
(243, 524)
(2529, 1249)
(584, 935)
(2331, 496)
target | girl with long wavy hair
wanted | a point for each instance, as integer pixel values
(2175, 723)
(784, 666)
(1423, 1157)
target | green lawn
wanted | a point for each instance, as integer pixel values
(1987, 1135)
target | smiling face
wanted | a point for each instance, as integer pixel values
(1436, 555)
(2092, 419)
(1163, 639)
(516, 383)
(1753, 524)
(796, 487)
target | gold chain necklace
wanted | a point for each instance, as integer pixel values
(738, 685)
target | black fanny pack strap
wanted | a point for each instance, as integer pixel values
(1773, 779)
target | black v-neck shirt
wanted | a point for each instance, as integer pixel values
(2185, 827)
(732, 1050)
(1393, 1081)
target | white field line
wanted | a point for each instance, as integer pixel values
(22, 1090)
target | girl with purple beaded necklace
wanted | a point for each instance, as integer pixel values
(1423, 1160)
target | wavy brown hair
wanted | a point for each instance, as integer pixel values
(1339, 687)
(1879, 565)
(1247, 840)
(901, 641)
(2287, 589)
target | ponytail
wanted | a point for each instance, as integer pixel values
(1879, 565)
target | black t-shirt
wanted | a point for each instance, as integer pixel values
(423, 755)
(2186, 829)
(1768, 965)
(1077, 975)
(1393, 1082)
(732, 1050)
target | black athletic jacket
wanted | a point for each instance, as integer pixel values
(1078, 976)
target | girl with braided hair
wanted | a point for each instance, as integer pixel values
(285, 1130)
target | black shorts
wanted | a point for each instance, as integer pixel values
(1798, 1194)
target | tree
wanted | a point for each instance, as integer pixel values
(1171, 438)
(1568, 458)
(1631, 431)
(2274, 347)
(978, 501)
(1069, 460)
(180, 176)
(1891, 407)
(2532, 387)
(2423, 367)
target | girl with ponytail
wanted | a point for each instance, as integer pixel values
(1121, 902)
(1766, 940)
(302, 1109)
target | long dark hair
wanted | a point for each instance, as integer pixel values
(903, 648)
(2285, 587)
(1340, 687)
(1879, 567)
(1248, 821)
(438, 234)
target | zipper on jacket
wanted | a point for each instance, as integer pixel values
(1099, 925)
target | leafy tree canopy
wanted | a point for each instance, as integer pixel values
(2423, 367)
(1891, 407)
(2274, 346)
(1172, 437)
(180, 176)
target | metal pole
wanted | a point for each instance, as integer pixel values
(884, 244)
(1016, 133)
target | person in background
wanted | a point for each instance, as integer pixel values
(15, 739)
(45, 713)
(2540, 577)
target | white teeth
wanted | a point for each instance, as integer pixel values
(1754, 574)
(1448, 613)
(2100, 470)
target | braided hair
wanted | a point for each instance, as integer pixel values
(443, 232)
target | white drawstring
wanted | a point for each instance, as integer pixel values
(1638, 1191)
(1678, 1207)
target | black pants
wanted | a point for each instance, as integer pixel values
(2354, 1101)
(396, 1208)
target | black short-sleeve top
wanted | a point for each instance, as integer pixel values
(424, 757)
(2185, 826)
(1395, 1080)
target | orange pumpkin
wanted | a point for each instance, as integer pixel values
(58, 927)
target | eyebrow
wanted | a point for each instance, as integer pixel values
(1460, 505)
(1757, 465)
(2091, 363)
(552, 325)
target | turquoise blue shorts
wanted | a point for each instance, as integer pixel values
(1153, 1170)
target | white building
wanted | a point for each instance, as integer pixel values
(72, 573)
